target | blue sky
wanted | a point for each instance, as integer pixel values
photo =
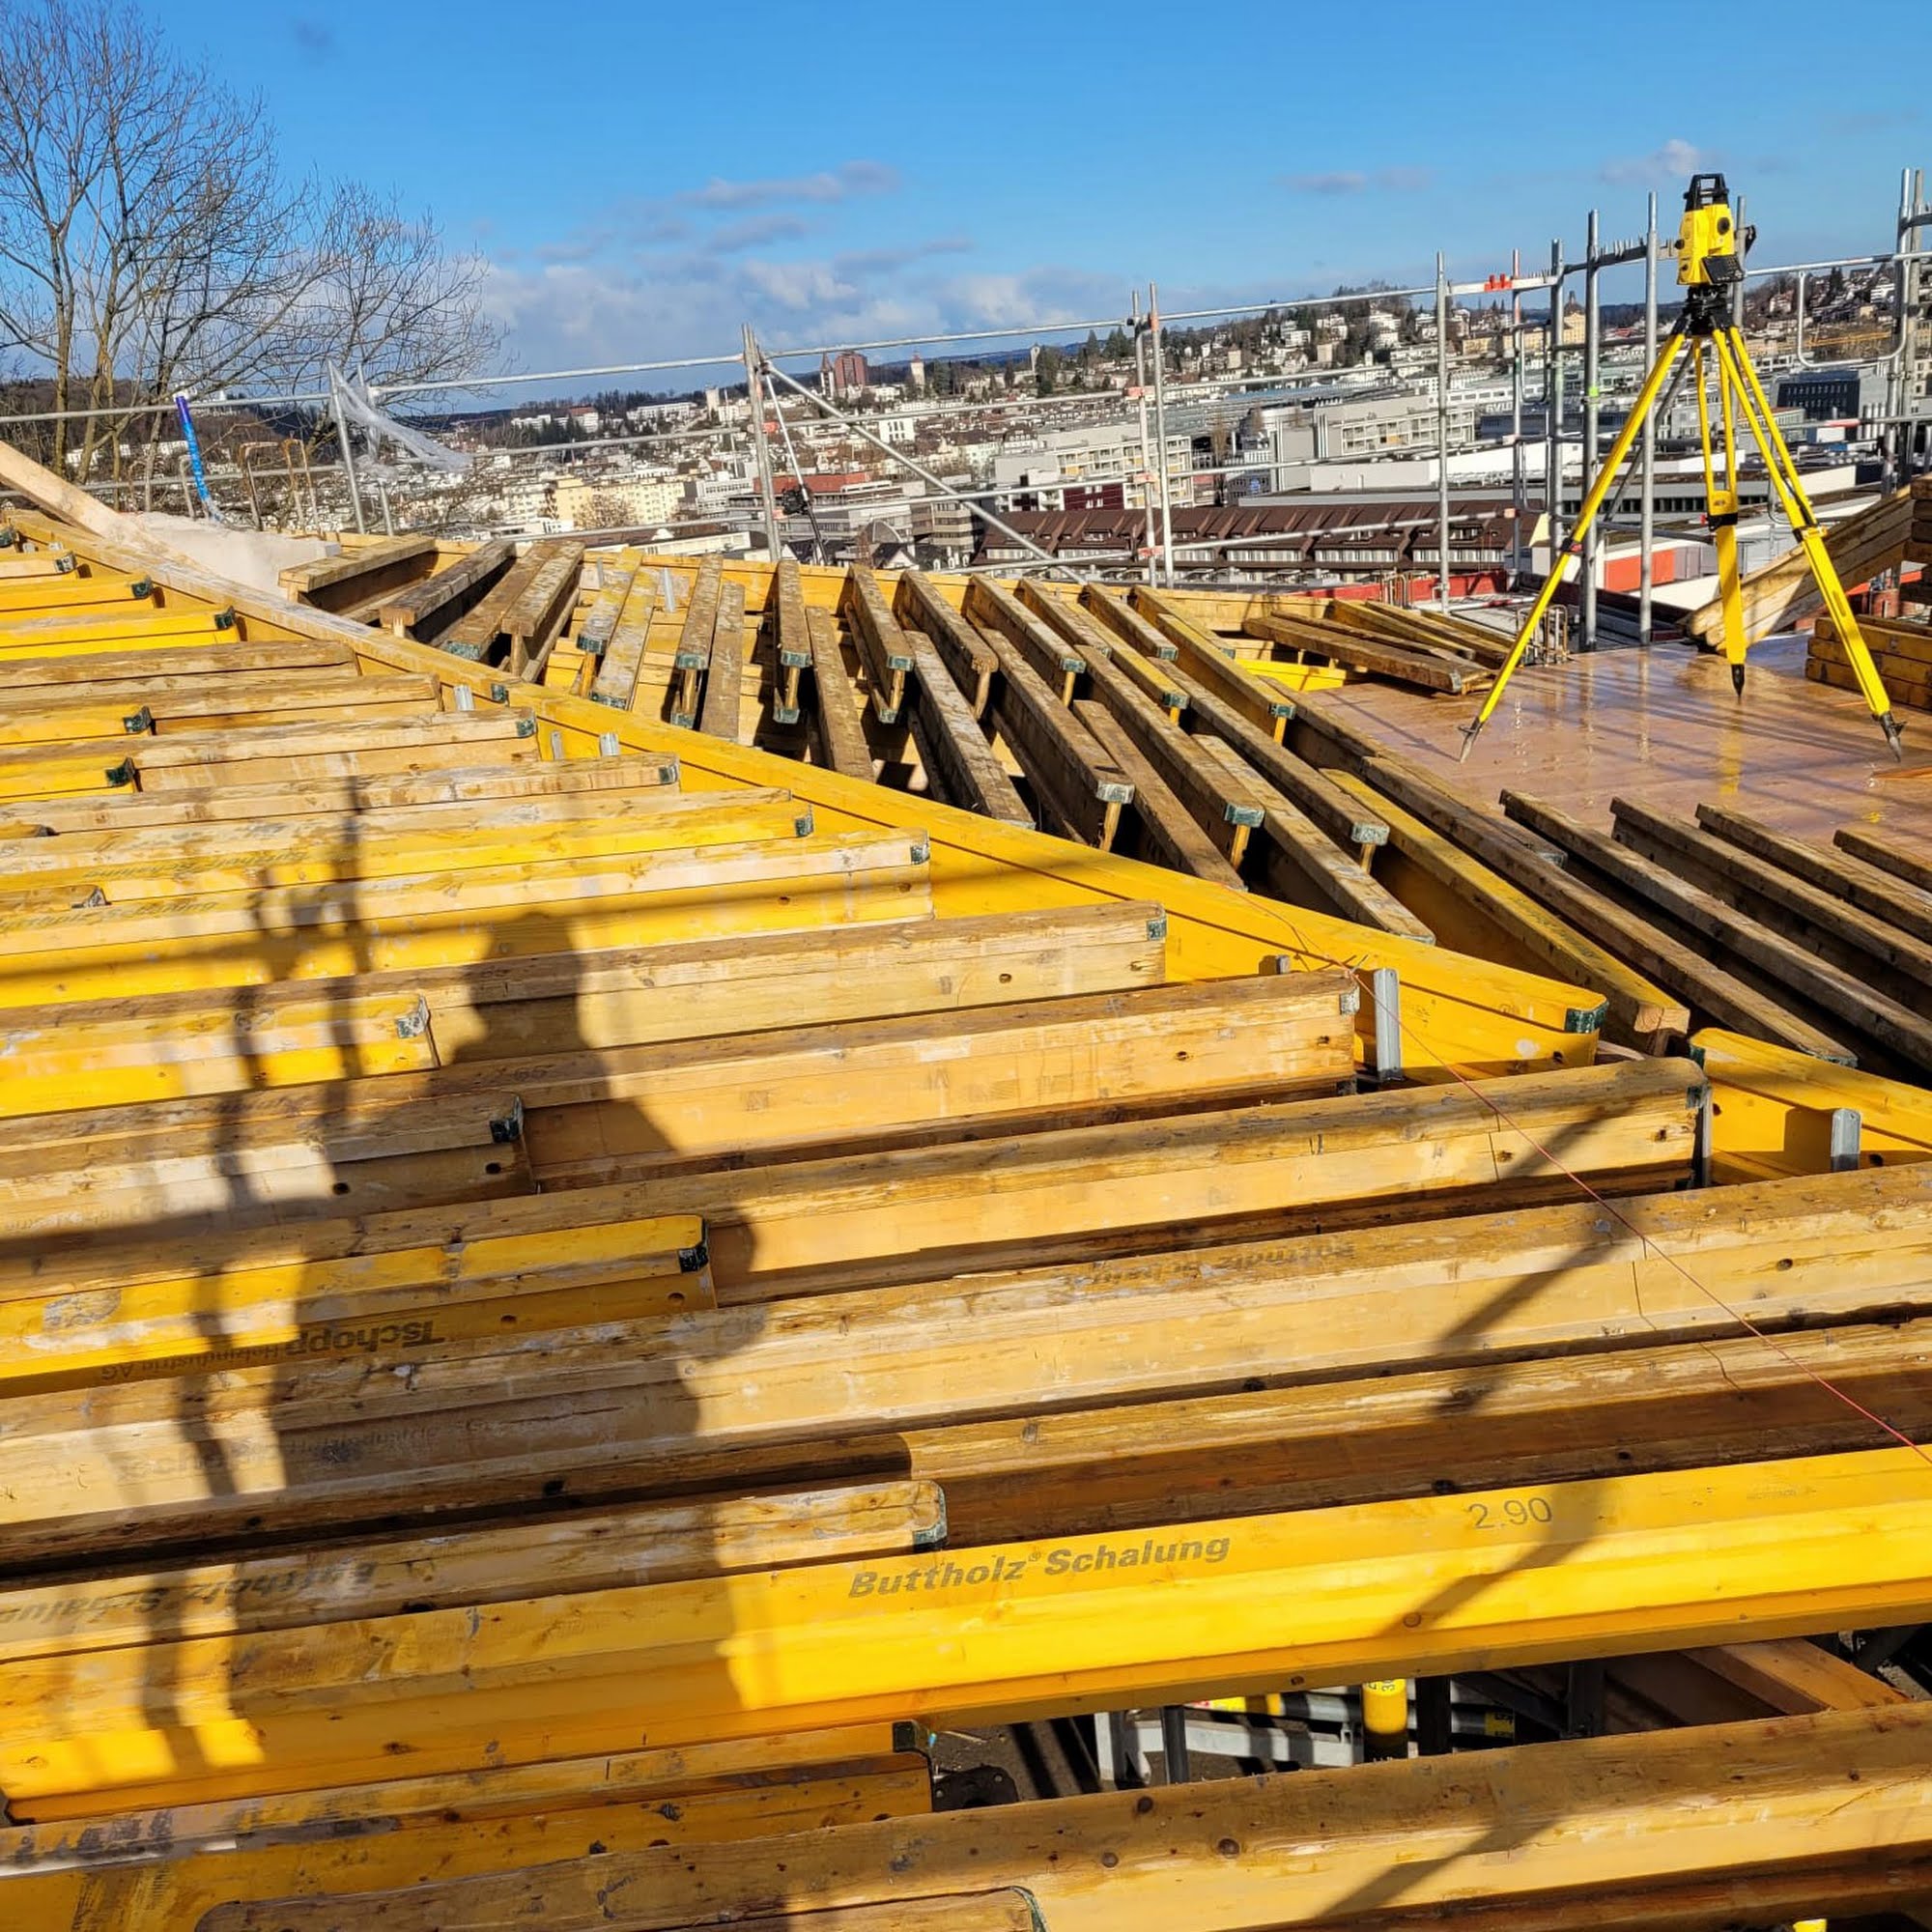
(643, 177)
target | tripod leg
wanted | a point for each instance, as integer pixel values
(1721, 507)
(1593, 502)
(1797, 505)
(1725, 522)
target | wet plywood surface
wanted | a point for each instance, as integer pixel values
(1664, 725)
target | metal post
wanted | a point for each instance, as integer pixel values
(1161, 436)
(1442, 434)
(920, 470)
(1147, 453)
(1591, 345)
(754, 402)
(1552, 402)
(1174, 1742)
(389, 516)
(1647, 469)
(1518, 494)
(348, 455)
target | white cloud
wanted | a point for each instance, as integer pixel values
(1352, 181)
(1673, 162)
(840, 183)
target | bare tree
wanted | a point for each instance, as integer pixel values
(151, 240)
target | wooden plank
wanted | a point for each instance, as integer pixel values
(1884, 850)
(792, 643)
(1302, 785)
(1861, 1007)
(411, 1300)
(1302, 866)
(594, 1116)
(435, 602)
(1072, 623)
(1838, 1538)
(724, 677)
(1058, 664)
(535, 619)
(1079, 788)
(882, 648)
(1480, 830)
(192, 862)
(1378, 1434)
(1168, 829)
(1431, 630)
(452, 919)
(261, 755)
(1223, 803)
(951, 746)
(1859, 942)
(227, 703)
(1775, 1108)
(647, 1542)
(332, 583)
(1778, 593)
(1686, 973)
(692, 658)
(1640, 1014)
(478, 633)
(384, 1807)
(1018, 1392)
(960, 646)
(1397, 663)
(842, 738)
(112, 1053)
(183, 1887)
(53, 674)
(618, 664)
(1794, 1675)
(1743, 1823)
(559, 1002)
(1127, 623)
(123, 811)
(597, 625)
(1211, 666)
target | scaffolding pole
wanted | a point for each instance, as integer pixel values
(1161, 436)
(925, 474)
(1592, 349)
(1647, 462)
(1441, 433)
(754, 402)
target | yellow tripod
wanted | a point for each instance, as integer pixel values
(1708, 266)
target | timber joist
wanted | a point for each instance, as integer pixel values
(563, 1275)
(1664, 1560)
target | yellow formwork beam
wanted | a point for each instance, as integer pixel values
(199, 864)
(391, 1304)
(1772, 1110)
(1427, 1587)
(645, 1543)
(461, 918)
(1755, 1824)
(120, 1896)
(114, 627)
(60, 1065)
(1473, 1014)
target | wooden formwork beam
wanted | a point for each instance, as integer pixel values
(1425, 1586)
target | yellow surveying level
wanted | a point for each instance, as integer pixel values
(1710, 264)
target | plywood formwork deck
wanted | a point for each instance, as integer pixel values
(577, 1292)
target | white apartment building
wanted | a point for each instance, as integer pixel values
(1045, 467)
